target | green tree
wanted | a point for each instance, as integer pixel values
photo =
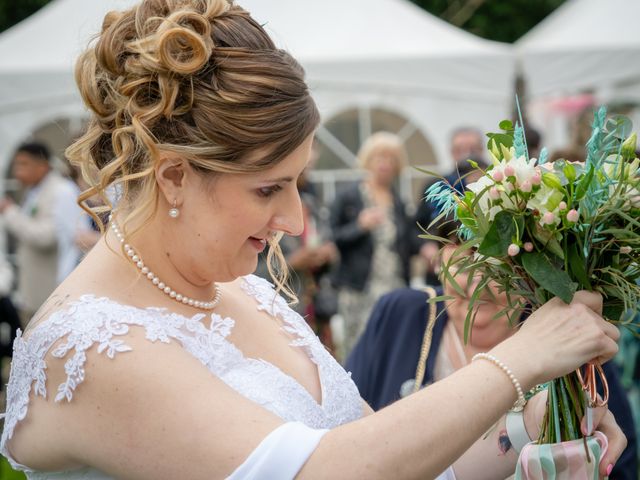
(13, 11)
(501, 20)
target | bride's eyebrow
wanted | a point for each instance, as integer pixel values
(279, 180)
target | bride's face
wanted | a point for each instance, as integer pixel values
(226, 221)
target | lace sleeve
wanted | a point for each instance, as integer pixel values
(69, 334)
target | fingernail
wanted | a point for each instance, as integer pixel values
(609, 468)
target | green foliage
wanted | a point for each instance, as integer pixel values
(501, 21)
(7, 473)
(549, 276)
(541, 231)
(503, 232)
(14, 11)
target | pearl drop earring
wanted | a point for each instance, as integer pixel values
(173, 211)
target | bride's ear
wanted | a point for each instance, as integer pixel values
(172, 178)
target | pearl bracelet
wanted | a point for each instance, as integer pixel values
(521, 401)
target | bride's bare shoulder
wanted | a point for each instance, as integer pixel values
(148, 393)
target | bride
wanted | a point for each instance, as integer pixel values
(161, 356)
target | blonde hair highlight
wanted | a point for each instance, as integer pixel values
(383, 142)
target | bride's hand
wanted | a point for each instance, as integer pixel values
(558, 338)
(602, 419)
(604, 422)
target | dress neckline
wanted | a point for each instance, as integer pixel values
(248, 284)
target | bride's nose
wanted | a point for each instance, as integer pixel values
(288, 217)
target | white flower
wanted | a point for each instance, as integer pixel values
(545, 200)
(487, 205)
(630, 194)
(524, 170)
(613, 164)
(481, 188)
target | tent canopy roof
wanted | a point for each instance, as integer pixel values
(586, 25)
(313, 31)
(585, 45)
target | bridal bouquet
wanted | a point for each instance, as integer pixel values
(541, 229)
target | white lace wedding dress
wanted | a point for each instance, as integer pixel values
(91, 320)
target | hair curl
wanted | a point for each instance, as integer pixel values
(199, 79)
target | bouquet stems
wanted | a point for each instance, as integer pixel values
(565, 408)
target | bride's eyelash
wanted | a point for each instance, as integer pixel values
(266, 192)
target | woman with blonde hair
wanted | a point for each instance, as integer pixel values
(371, 231)
(161, 356)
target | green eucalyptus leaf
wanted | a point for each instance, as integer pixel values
(441, 298)
(577, 264)
(569, 172)
(428, 172)
(500, 139)
(500, 235)
(613, 311)
(506, 125)
(548, 276)
(472, 310)
(583, 184)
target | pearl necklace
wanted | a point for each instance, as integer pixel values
(137, 261)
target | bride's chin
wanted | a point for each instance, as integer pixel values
(247, 268)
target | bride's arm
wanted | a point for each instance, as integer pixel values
(421, 435)
(157, 412)
(492, 455)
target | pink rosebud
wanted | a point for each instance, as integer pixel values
(494, 193)
(528, 246)
(549, 218)
(513, 250)
(497, 175)
(526, 186)
(562, 206)
(509, 171)
(536, 179)
(625, 250)
(573, 216)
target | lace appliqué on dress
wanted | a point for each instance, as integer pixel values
(102, 322)
(341, 402)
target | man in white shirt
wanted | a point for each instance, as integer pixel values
(44, 226)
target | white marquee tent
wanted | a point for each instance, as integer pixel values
(585, 46)
(357, 53)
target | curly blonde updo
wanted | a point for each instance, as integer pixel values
(198, 79)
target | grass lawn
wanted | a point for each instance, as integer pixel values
(7, 473)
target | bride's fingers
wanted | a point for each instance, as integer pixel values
(617, 443)
(607, 344)
(590, 299)
(611, 331)
(587, 426)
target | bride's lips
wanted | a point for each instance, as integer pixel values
(258, 244)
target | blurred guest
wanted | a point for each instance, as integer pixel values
(371, 232)
(44, 226)
(628, 362)
(9, 320)
(467, 143)
(310, 256)
(534, 140)
(571, 154)
(88, 232)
